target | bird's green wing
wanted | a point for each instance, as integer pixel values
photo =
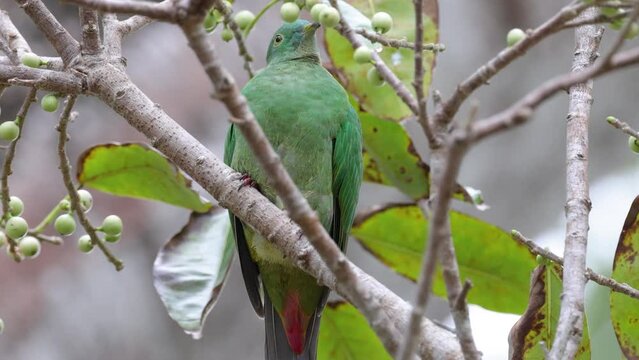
(347, 177)
(250, 271)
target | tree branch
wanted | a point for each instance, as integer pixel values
(15, 41)
(55, 81)
(449, 108)
(386, 73)
(66, 46)
(165, 11)
(7, 171)
(590, 274)
(397, 43)
(237, 34)
(90, 31)
(418, 78)
(74, 198)
(578, 205)
(624, 127)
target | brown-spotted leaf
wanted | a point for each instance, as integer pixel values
(190, 269)
(539, 323)
(624, 310)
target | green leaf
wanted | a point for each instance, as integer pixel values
(539, 322)
(190, 269)
(345, 334)
(498, 266)
(624, 310)
(382, 101)
(390, 158)
(138, 171)
(387, 144)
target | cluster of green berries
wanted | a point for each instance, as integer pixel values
(16, 228)
(213, 18)
(65, 224)
(381, 22)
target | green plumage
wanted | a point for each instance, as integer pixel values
(308, 119)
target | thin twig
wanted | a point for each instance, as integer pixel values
(621, 37)
(165, 11)
(448, 109)
(418, 78)
(590, 274)
(398, 43)
(386, 73)
(237, 33)
(578, 205)
(66, 46)
(8, 161)
(65, 169)
(623, 126)
(50, 239)
(460, 302)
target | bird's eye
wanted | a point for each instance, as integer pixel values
(278, 39)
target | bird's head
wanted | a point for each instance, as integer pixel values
(293, 41)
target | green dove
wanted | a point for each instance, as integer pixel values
(307, 117)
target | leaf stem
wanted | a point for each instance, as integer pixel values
(250, 26)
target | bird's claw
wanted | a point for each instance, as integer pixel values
(246, 180)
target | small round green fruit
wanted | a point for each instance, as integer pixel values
(514, 36)
(374, 77)
(112, 238)
(633, 144)
(65, 205)
(210, 22)
(64, 224)
(310, 3)
(16, 206)
(31, 60)
(316, 10)
(84, 244)
(382, 22)
(227, 35)
(244, 18)
(86, 200)
(16, 227)
(49, 103)
(30, 247)
(289, 12)
(540, 260)
(363, 55)
(111, 225)
(9, 130)
(329, 17)
(611, 119)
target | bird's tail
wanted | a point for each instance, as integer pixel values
(277, 346)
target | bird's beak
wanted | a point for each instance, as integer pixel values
(310, 28)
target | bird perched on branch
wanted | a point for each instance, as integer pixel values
(307, 117)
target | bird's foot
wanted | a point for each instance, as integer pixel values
(247, 181)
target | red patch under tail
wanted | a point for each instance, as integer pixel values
(295, 322)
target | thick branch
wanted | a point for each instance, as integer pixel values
(55, 81)
(165, 10)
(16, 42)
(66, 46)
(570, 324)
